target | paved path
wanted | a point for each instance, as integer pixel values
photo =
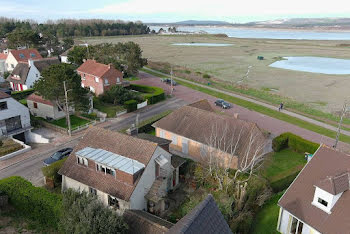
(29, 164)
(307, 119)
(272, 125)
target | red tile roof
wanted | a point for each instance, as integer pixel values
(24, 55)
(3, 56)
(297, 200)
(94, 68)
(36, 98)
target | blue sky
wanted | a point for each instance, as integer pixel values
(171, 11)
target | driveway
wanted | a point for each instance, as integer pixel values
(272, 125)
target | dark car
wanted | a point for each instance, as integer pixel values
(168, 81)
(223, 104)
(58, 156)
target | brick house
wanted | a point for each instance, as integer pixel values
(123, 171)
(318, 200)
(195, 131)
(99, 77)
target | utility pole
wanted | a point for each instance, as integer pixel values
(171, 81)
(343, 112)
(67, 108)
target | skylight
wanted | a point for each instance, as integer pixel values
(21, 56)
(32, 55)
(112, 160)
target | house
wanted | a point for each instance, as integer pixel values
(123, 171)
(38, 106)
(318, 200)
(14, 118)
(199, 133)
(204, 218)
(26, 73)
(3, 57)
(64, 56)
(16, 56)
(99, 77)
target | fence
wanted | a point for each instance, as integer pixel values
(141, 105)
(82, 127)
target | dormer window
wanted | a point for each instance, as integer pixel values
(84, 77)
(82, 161)
(97, 79)
(32, 55)
(105, 170)
(323, 202)
(21, 56)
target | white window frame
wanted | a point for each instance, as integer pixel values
(93, 191)
(97, 80)
(117, 206)
(118, 80)
(84, 78)
(106, 82)
(100, 166)
(82, 161)
(297, 226)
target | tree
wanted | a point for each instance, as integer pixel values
(50, 87)
(18, 38)
(84, 213)
(77, 55)
(68, 43)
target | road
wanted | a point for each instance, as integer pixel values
(30, 167)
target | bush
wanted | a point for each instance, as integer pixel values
(51, 171)
(206, 76)
(118, 95)
(130, 105)
(34, 202)
(18, 95)
(154, 94)
(294, 142)
(84, 213)
(284, 183)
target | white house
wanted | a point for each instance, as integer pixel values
(20, 56)
(25, 74)
(14, 118)
(3, 57)
(318, 200)
(124, 172)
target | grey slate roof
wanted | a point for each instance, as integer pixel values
(204, 218)
(44, 63)
(20, 70)
(149, 137)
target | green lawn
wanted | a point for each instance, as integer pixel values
(265, 221)
(131, 78)
(282, 164)
(109, 109)
(74, 120)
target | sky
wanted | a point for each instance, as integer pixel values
(158, 11)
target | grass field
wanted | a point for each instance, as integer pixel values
(109, 109)
(324, 92)
(74, 120)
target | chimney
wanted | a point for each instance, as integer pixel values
(109, 66)
(30, 62)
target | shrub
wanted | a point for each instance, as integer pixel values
(294, 142)
(51, 171)
(130, 105)
(282, 184)
(34, 202)
(206, 76)
(84, 213)
(118, 95)
(153, 94)
(18, 95)
(187, 72)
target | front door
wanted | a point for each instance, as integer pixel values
(184, 146)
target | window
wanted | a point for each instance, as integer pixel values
(323, 202)
(106, 82)
(82, 161)
(32, 55)
(35, 105)
(93, 191)
(84, 77)
(118, 80)
(161, 133)
(12, 66)
(112, 201)
(37, 75)
(105, 170)
(3, 105)
(96, 79)
(296, 226)
(21, 56)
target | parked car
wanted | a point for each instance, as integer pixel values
(223, 104)
(168, 81)
(58, 156)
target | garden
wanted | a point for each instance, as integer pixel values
(8, 146)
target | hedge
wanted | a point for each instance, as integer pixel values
(18, 95)
(294, 142)
(33, 202)
(130, 105)
(153, 94)
(284, 183)
(51, 171)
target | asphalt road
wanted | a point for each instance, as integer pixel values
(30, 168)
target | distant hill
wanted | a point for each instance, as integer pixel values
(306, 22)
(202, 22)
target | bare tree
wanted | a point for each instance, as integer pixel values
(240, 148)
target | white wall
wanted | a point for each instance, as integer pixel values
(285, 223)
(45, 111)
(137, 200)
(64, 59)
(11, 60)
(330, 198)
(33, 75)
(76, 185)
(14, 108)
